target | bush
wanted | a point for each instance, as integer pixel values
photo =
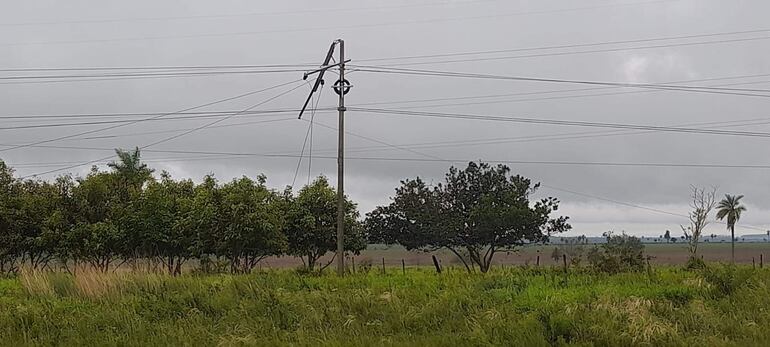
(678, 296)
(726, 279)
(621, 253)
(695, 263)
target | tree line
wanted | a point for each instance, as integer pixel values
(125, 214)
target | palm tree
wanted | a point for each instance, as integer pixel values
(130, 167)
(731, 208)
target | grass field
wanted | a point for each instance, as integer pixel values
(512, 306)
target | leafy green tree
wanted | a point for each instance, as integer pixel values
(102, 222)
(129, 176)
(475, 213)
(730, 207)
(250, 223)
(312, 224)
(99, 243)
(620, 253)
(161, 222)
(10, 240)
(42, 220)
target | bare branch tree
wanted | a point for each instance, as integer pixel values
(703, 201)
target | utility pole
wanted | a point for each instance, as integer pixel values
(341, 87)
(341, 165)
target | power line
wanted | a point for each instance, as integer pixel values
(433, 158)
(395, 102)
(56, 125)
(170, 73)
(310, 150)
(213, 155)
(557, 91)
(164, 67)
(177, 135)
(48, 79)
(248, 14)
(308, 134)
(176, 68)
(221, 155)
(146, 119)
(201, 114)
(551, 137)
(697, 89)
(565, 46)
(565, 122)
(306, 29)
(444, 144)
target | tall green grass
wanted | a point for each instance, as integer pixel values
(512, 306)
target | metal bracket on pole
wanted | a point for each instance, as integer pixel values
(319, 79)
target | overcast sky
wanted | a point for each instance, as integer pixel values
(142, 33)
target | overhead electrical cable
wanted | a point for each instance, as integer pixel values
(247, 14)
(147, 119)
(562, 122)
(314, 29)
(563, 46)
(166, 139)
(698, 89)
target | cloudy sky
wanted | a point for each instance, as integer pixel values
(714, 43)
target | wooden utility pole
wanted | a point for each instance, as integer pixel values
(341, 87)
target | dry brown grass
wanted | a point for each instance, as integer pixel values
(85, 282)
(91, 283)
(35, 282)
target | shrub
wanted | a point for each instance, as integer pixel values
(678, 296)
(621, 253)
(726, 279)
(695, 263)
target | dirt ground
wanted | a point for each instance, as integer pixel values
(745, 253)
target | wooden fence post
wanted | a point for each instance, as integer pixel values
(353, 263)
(383, 265)
(753, 263)
(436, 264)
(761, 260)
(403, 266)
(537, 262)
(564, 258)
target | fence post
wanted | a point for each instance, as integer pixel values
(537, 262)
(403, 266)
(383, 265)
(436, 264)
(761, 260)
(564, 258)
(753, 263)
(353, 263)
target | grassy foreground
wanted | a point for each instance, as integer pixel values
(510, 306)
